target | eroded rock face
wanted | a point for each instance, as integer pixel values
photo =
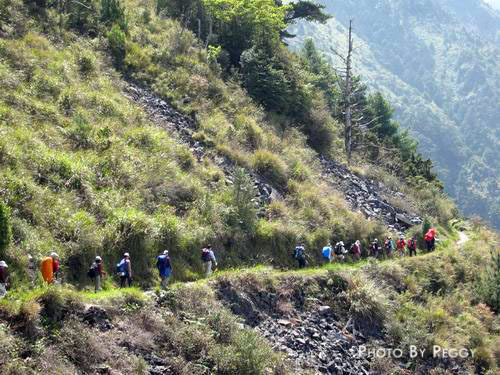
(298, 324)
(365, 195)
(97, 317)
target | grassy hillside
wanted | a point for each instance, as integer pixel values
(85, 171)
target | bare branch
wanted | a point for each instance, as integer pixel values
(338, 54)
(377, 146)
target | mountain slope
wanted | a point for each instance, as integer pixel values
(437, 62)
(91, 164)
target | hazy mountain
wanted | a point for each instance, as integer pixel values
(438, 61)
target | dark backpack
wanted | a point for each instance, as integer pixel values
(299, 252)
(339, 249)
(92, 272)
(205, 255)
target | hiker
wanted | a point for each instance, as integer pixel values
(356, 250)
(165, 268)
(208, 259)
(327, 253)
(96, 272)
(401, 245)
(50, 268)
(4, 277)
(124, 269)
(340, 250)
(389, 247)
(55, 266)
(412, 246)
(32, 269)
(374, 249)
(300, 254)
(430, 238)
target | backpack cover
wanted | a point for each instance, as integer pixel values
(121, 267)
(326, 252)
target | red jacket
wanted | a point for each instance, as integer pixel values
(401, 244)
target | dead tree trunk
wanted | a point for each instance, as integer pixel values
(348, 97)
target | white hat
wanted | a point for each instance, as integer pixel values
(342, 243)
(165, 252)
(98, 258)
(126, 255)
(54, 255)
(3, 264)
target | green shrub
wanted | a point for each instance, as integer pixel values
(271, 167)
(185, 158)
(83, 17)
(81, 346)
(113, 13)
(82, 133)
(490, 284)
(243, 195)
(86, 64)
(4, 11)
(5, 229)
(58, 304)
(368, 305)
(249, 354)
(117, 43)
(224, 325)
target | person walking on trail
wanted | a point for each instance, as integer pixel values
(165, 268)
(356, 250)
(430, 239)
(300, 255)
(50, 268)
(340, 251)
(208, 259)
(401, 245)
(389, 247)
(96, 272)
(412, 247)
(327, 253)
(375, 248)
(4, 278)
(32, 269)
(125, 270)
(56, 267)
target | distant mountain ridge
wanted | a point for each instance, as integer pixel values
(437, 61)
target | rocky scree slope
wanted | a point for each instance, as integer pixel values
(299, 325)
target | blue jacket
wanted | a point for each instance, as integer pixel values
(163, 265)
